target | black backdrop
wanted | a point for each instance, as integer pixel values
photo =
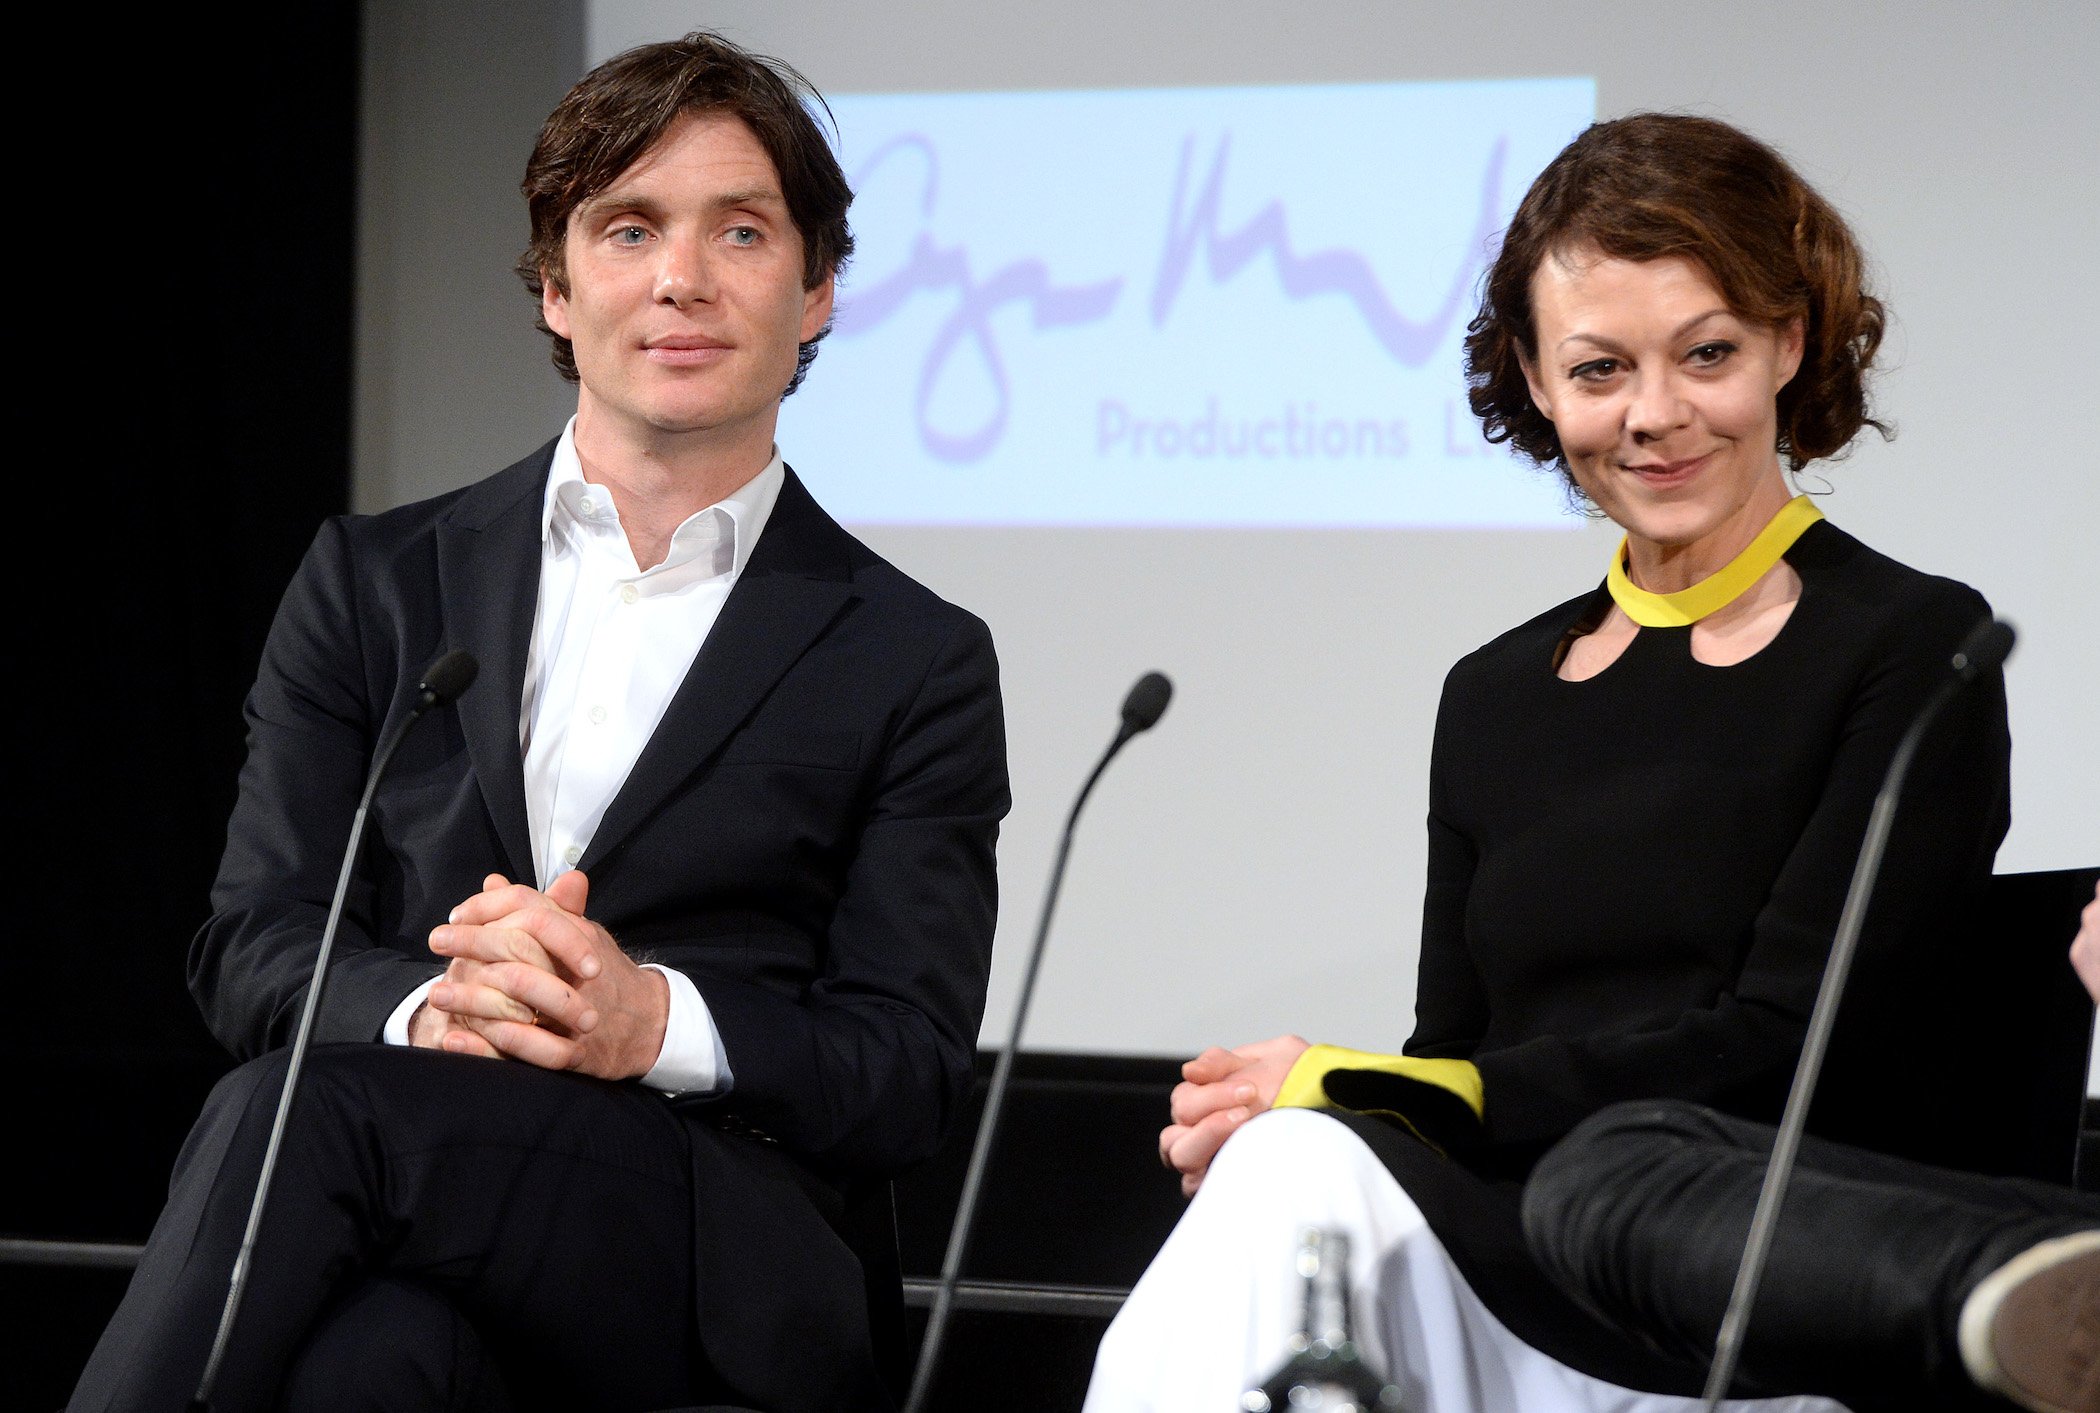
(184, 317)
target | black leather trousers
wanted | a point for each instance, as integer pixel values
(1641, 1214)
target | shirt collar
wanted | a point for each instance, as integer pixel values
(574, 500)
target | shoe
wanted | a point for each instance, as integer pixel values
(2030, 1332)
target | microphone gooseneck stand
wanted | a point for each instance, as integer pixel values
(1986, 646)
(1141, 712)
(443, 682)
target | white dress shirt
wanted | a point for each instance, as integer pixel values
(611, 642)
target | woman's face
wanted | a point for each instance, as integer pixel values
(1666, 405)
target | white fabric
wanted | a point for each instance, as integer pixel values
(611, 642)
(1212, 1314)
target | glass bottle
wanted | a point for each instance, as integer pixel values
(1324, 1371)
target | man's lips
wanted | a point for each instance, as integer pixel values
(683, 350)
(1661, 475)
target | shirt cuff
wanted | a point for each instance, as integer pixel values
(692, 1060)
(395, 1031)
(1305, 1087)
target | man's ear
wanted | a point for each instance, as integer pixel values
(554, 302)
(816, 307)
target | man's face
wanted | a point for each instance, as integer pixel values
(684, 297)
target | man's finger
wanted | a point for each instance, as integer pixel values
(495, 903)
(568, 940)
(545, 993)
(504, 941)
(571, 892)
(513, 991)
(461, 1041)
(530, 1043)
(481, 1002)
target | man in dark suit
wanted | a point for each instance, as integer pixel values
(587, 1138)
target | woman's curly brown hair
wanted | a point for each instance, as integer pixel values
(625, 105)
(1657, 184)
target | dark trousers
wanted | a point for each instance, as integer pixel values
(472, 1234)
(1641, 1214)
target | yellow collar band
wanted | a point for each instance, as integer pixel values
(1719, 589)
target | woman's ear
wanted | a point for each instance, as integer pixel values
(1793, 338)
(1539, 397)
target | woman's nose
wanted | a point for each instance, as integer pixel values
(1658, 407)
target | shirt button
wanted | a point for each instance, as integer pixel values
(570, 855)
(629, 593)
(597, 714)
(588, 506)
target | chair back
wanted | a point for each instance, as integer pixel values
(2041, 1017)
(869, 1226)
(1976, 1056)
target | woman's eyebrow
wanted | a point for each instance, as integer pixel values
(1613, 345)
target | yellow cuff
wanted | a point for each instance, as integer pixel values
(1441, 1102)
(1305, 1087)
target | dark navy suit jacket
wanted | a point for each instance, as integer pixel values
(808, 834)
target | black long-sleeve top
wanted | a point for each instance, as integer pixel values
(1634, 879)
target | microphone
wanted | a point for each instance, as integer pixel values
(1986, 646)
(442, 682)
(1144, 706)
(1142, 710)
(446, 681)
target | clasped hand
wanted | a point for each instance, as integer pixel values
(530, 978)
(1220, 1090)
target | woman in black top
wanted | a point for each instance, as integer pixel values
(1645, 802)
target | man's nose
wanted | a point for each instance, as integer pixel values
(684, 273)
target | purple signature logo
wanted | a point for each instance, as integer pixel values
(1194, 233)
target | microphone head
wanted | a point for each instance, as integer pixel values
(1988, 644)
(450, 675)
(1146, 703)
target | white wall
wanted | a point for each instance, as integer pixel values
(1256, 863)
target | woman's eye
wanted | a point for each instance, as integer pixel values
(1711, 353)
(1594, 371)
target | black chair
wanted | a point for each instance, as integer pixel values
(1972, 1054)
(870, 1229)
(2041, 1017)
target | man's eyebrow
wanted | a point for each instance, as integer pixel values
(751, 196)
(606, 202)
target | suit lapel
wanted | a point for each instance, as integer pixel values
(797, 582)
(488, 554)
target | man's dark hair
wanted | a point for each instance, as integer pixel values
(624, 107)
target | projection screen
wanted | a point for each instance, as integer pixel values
(1149, 355)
